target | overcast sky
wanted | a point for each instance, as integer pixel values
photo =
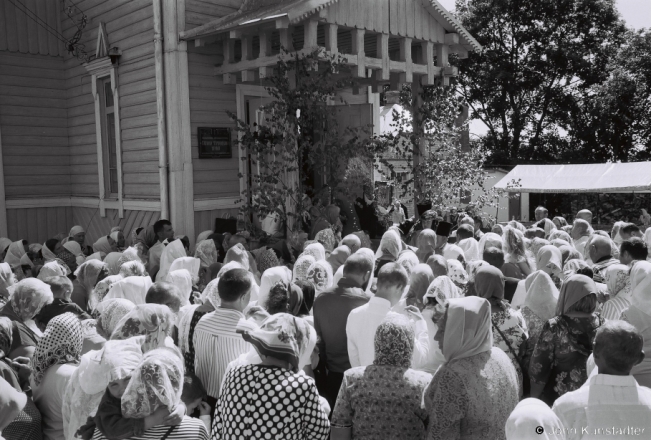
(636, 13)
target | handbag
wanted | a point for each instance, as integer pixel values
(526, 385)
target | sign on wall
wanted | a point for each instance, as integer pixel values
(214, 143)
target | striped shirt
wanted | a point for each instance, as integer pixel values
(215, 345)
(612, 309)
(189, 429)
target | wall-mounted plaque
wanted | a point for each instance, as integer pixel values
(214, 143)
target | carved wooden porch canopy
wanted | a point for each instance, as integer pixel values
(383, 40)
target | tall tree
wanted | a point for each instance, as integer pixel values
(539, 58)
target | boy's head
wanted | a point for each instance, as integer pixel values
(60, 286)
(193, 392)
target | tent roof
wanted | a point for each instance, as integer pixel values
(601, 177)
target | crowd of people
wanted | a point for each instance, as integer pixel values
(448, 330)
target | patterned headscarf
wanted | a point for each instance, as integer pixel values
(132, 288)
(536, 244)
(157, 382)
(301, 267)
(394, 342)
(206, 252)
(154, 321)
(270, 278)
(133, 269)
(327, 238)
(562, 235)
(6, 279)
(53, 269)
(457, 273)
(111, 312)
(440, 290)
(211, 293)
(28, 298)
(408, 260)
(573, 266)
(130, 254)
(616, 277)
(87, 273)
(68, 258)
(267, 259)
(281, 336)
(102, 288)
(61, 344)
(473, 267)
(320, 275)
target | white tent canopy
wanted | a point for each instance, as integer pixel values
(598, 177)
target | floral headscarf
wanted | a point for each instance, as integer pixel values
(132, 288)
(154, 321)
(394, 342)
(616, 277)
(573, 266)
(270, 278)
(61, 344)
(301, 267)
(211, 293)
(102, 287)
(267, 259)
(440, 290)
(316, 250)
(562, 235)
(53, 269)
(320, 275)
(206, 252)
(157, 382)
(28, 298)
(111, 312)
(281, 336)
(112, 261)
(457, 273)
(203, 236)
(327, 238)
(408, 260)
(130, 254)
(6, 336)
(6, 279)
(87, 273)
(473, 267)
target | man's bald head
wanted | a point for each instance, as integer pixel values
(166, 294)
(438, 264)
(617, 348)
(599, 247)
(585, 214)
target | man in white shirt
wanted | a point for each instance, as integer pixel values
(610, 404)
(216, 343)
(364, 320)
(164, 233)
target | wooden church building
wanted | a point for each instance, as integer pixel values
(115, 112)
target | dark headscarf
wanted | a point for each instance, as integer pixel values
(147, 237)
(489, 283)
(282, 251)
(219, 245)
(307, 297)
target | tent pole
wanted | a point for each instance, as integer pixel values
(598, 211)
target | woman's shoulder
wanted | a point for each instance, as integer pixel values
(190, 429)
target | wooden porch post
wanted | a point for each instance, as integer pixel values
(3, 202)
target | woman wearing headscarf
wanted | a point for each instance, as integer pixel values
(88, 275)
(509, 326)
(301, 300)
(549, 259)
(97, 368)
(547, 225)
(419, 280)
(383, 400)
(352, 241)
(28, 298)
(54, 268)
(490, 240)
(182, 279)
(172, 251)
(156, 383)
(7, 279)
(154, 321)
(321, 276)
(408, 260)
(617, 277)
(439, 292)
(206, 252)
(266, 260)
(132, 288)
(388, 250)
(55, 360)
(516, 262)
(133, 269)
(574, 267)
(111, 312)
(75, 249)
(102, 288)
(472, 394)
(559, 222)
(558, 363)
(4, 245)
(458, 275)
(302, 265)
(569, 253)
(639, 315)
(281, 342)
(328, 220)
(338, 257)
(26, 424)
(426, 244)
(15, 252)
(316, 250)
(528, 416)
(105, 244)
(113, 263)
(536, 244)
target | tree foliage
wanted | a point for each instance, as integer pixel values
(300, 138)
(427, 135)
(540, 60)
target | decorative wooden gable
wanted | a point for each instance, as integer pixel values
(385, 41)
